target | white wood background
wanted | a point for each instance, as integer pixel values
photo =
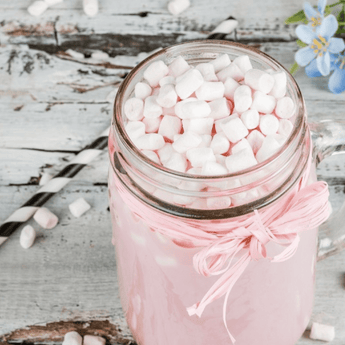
(52, 106)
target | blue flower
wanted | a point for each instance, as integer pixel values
(320, 44)
(315, 16)
(337, 80)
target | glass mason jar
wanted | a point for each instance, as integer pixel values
(271, 303)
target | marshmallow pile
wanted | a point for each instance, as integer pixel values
(213, 119)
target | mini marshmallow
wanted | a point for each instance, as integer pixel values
(217, 123)
(200, 125)
(53, 2)
(189, 83)
(250, 118)
(176, 136)
(280, 139)
(269, 124)
(206, 140)
(169, 126)
(178, 67)
(232, 71)
(178, 109)
(142, 90)
(90, 7)
(135, 129)
(182, 199)
(176, 162)
(134, 109)
(243, 62)
(263, 103)
(241, 160)
(243, 98)
(167, 96)
(165, 153)
(218, 203)
(155, 72)
(151, 125)
(79, 207)
(220, 159)
(259, 80)
(151, 155)
(45, 218)
(210, 91)
(207, 71)
(27, 236)
(100, 55)
(219, 108)
(45, 178)
(37, 8)
(186, 141)
(285, 108)
(279, 87)
(220, 62)
(234, 129)
(255, 139)
(230, 86)
(198, 156)
(285, 127)
(74, 54)
(219, 144)
(241, 145)
(211, 168)
(93, 340)
(268, 148)
(151, 141)
(169, 111)
(151, 108)
(175, 7)
(322, 332)
(72, 338)
(169, 79)
(194, 109)
(155, 91)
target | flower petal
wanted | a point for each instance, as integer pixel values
(337, 81)
(309, 11)
(304, 56)
(336, 45)
(324, 64)
(305, 33)
(321, 6)
(328, 27)
(312, 71)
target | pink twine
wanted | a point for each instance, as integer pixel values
(280, 223)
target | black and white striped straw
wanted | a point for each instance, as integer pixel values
(226, 27)
(26, 211)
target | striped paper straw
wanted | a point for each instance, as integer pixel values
(226, 27)
(26, 211)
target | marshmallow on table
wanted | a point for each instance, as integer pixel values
(268, 148)
(176, 162)
(75, 54)
(220, 144)
(269, 124)
(232, 71)
(151, 108)
(243, 98)
(169, 79)
(198, 156)
(90, 7)
(241, 145)
(285, 127)
(151, 155)
(220, 108)
(93, 340)
(134, 109)
(211, 168)
(189, 83)
(279, 87)
(200, 125)
(100, 55)
(263, 103)
(45, 178)
(37, 8)
(79, 207)
(250, 118)
(135, 129)
(210, 91)
(285, 108)
(186, 141)
(155, 72)
(165, 153)
(175, 7)
(53, 2)
(142, 90)
(259, 80)
(72, 338)
(45, 218)
(234, 129)
(167, 96)
(151, 141)
(243, 62)
(207, 71)
(27, 236)
(192, 109)
(178, 67)
(322, 332)
(230, 86)
(220, 62)
(241, 160)
(169, 126)
(151, 124)
(255, 139)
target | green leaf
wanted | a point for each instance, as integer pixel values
(297, 17)
(294, 68)
(341, 20)
(301, 44)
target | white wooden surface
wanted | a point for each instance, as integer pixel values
(50, 107)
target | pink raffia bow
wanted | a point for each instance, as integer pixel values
(305, 211)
